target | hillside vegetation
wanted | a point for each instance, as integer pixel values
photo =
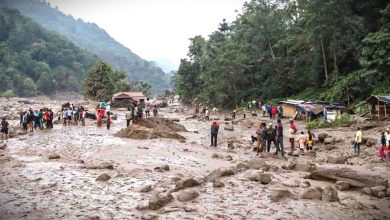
(324, 50)
(35, 61)
(90, 37)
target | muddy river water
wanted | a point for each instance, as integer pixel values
(32, 186)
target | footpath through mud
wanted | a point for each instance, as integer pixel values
(78, 172)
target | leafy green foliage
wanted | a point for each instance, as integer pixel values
(285, 48)
(91, 38)
(140, 86)
(34, 60)
(98, 84)
(342, 121)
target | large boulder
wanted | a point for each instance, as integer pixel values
(279, 195)
(265, 178)
(218, 184)
(144, 189)
(103, 177)
(229, 128)
(257, 164)
(159, 200)
(311, 193)
(322, 136)
(329, 140)
(242, 166)
(186, 196)
(185, 183)
(378, 191)
(289, 165)
(342, 185)
(336, 159)
(357, 177)
(54, 156)
(221, 172)
(329, 194)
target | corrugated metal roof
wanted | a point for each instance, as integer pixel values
(375, 98)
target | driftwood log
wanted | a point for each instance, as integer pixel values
(359, 178)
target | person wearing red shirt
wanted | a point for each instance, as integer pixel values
(214, 133)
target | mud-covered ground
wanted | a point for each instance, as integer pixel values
(32, 186)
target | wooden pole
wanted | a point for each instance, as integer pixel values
(385, 110)
(379, 108)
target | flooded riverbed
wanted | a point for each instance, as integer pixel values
(32, 186)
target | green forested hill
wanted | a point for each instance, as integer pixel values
(334, 50)
(90, 37)
(34, 60)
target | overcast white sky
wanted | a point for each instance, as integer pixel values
(154, 29)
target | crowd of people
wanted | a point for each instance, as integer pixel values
(37, 119)
(273, 134)
(136, 112)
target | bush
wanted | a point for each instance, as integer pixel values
(342, 121)
(8, 94)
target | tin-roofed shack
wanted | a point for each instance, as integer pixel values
(379, 106)
(308, 110)
(125, 99)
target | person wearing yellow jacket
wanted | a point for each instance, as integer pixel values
(358, 140)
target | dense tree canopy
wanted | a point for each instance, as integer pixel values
(331, 50)
(34, 60)
(90, 37)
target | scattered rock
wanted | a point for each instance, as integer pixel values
(378, 191)
(305, 184)
(229, 127)
(218, 184)
(54, 156)
(242, 166)
(186, 196)
(144, 189)
(289, 165)
(329, 140)
(2, 146)
(231, 145)
(336, 159)
(108, 166)
(329, 194)
(311, 193)
(265, 178)
(229, 158)
(342, 185)
(279, 195)
(311, 153)
(366, 191)
(215, 155)
(329, 147)
(356, 176)
(185, 183)
(221, 172)
(257, 164)
(322, 136)
(165, 167)
(103, 177)
(159, 200)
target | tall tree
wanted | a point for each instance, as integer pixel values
(98, 84)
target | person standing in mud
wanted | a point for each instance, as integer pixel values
(64, 116)
(4, 129)
(36, 120)
(155, 111)
(310, 140)
(24, 121)
(128, 117)
(279, 138)
(69, 114)
(388, 136)
(76, 115)
(135, 113)
(271, 137)
(358, 141)
(51, 118)
(234, 113)
(292, 131)
(207, 113)
(82, 116)
(30, 120)
(108, 120)
(214, 133)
